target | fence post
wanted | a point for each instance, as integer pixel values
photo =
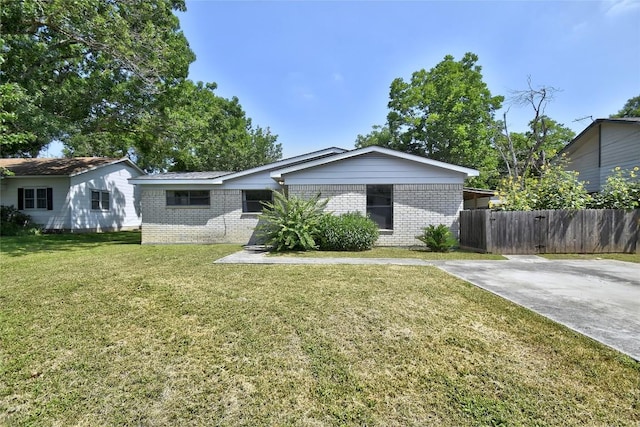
(488, 230)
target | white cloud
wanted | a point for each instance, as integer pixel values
(620, 7)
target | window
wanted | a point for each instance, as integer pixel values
(251, 200)
(35, 198)
(187, 197)
(100, 200)
(380, 205)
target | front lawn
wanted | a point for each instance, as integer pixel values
(104, 333)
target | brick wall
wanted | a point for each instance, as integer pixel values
(414, 206)
(220, 222)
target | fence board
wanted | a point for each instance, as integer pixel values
(550, 231)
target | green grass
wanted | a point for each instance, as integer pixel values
(393, 252)
(107, 332)
(619, 257)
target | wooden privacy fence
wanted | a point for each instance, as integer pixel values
(550, 231)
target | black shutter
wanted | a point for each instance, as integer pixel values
(49, 199)
(20, 199)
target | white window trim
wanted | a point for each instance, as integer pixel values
(35, 198)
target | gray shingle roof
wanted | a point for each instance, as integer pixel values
(184, 175)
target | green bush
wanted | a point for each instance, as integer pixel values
(15, 223)
(555, 188)
(347, 232)
(291, 223)
(437, 238)
(621, 191)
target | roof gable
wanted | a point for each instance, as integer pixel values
(60, 166)
(577, 140)
(298, 160)
(277, 174)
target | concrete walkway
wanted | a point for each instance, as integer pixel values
(597, 298)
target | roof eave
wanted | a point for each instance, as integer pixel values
(143, 181)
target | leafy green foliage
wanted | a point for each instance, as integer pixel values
(621, 191)
(555, 188)
(193, 130)
(438, 238)
(524, 154)
(347, 232)
(446, 114)
(380, 136)
(15, 223)
(630, 109)
(86, 68)
(109, 79)
(292, 223)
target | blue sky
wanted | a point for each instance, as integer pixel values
(318, 72)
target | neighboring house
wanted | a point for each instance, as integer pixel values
(77, 194)
(604, 145)
(476, 198)
(401, 192)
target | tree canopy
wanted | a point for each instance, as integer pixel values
(110, 79)
(446, 113)
(630, 109)
(525, 154)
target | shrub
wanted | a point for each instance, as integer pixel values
(621, 191)
(291, 223)
(14, 223)
(347, 232)
(555, 188)
(437, 238)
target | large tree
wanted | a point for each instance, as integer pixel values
(445, 113)
(81, 66)
(630, 109)
(108, 78)
(192, 129)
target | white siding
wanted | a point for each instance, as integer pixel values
(124, 210)
(58, 218)
(374, 169)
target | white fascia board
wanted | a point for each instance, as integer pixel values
(277, 174)
(143, 181)
(281, 163)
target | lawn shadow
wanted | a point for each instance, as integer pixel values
(24, 245)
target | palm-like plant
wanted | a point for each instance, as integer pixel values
(291, 223)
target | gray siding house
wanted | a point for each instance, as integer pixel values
(604, 145)
(401, 192)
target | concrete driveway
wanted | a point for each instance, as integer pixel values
(598, 298)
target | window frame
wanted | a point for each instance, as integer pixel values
(388, 219)
(101, 200)
(39, 199)
(190, 197)
(256, 202)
